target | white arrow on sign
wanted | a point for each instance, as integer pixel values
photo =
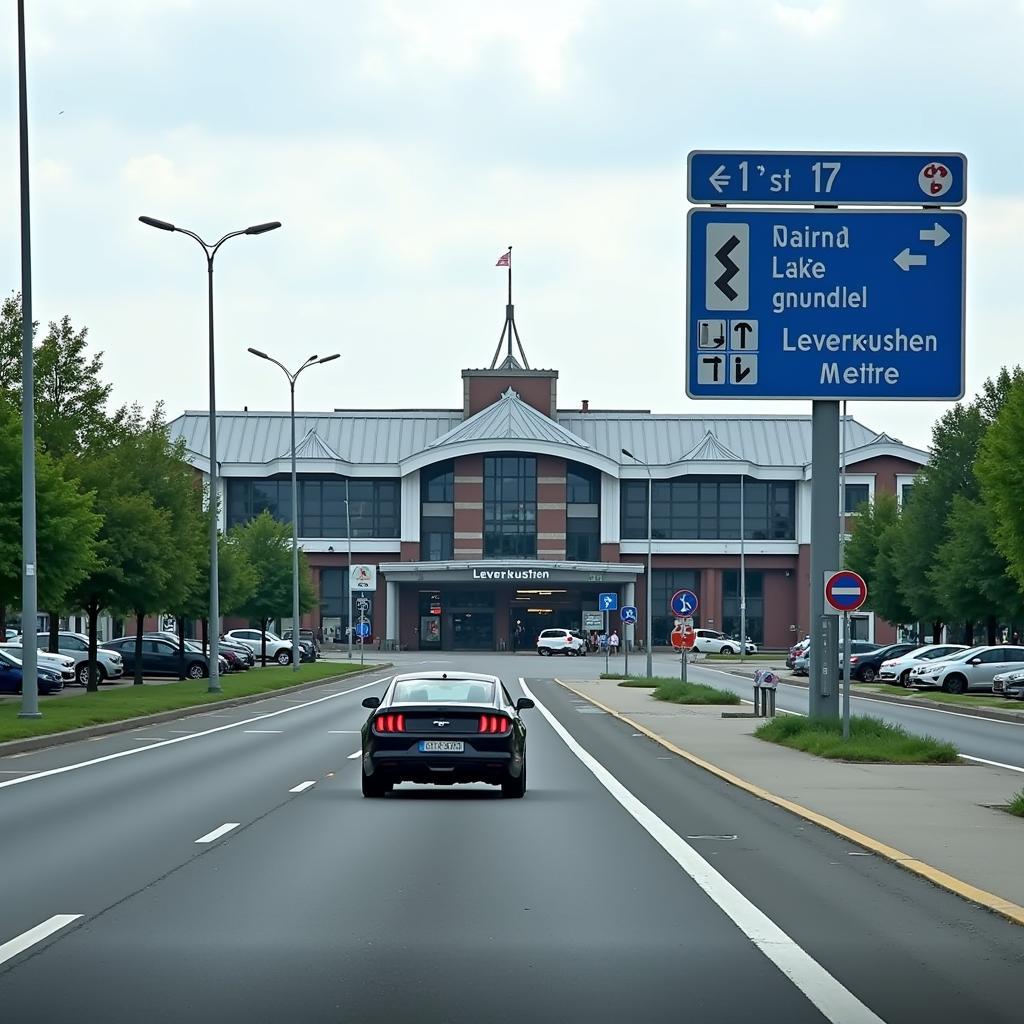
(718, 179)
(908, 259)
(937, 234)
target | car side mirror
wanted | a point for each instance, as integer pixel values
(524, 704)
(371, 702)
(974, 661)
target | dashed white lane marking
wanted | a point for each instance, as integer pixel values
(263, 732)
(355, 754)
(303, 786)
(26, 940)
(342, 732)
(12, 771)
(179, 739)
(835, 1002)
(218, 832)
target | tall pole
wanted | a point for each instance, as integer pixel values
(650, 572)
(743, 581)
(295, 541)
(214, 686)
(210, 251)
(292, 378)
(509, 315)
(29, 626)
(348, 535)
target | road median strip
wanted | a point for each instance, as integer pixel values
(112, 711)
(1005, 908)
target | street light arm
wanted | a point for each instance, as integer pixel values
(213, 250)
(271, 359)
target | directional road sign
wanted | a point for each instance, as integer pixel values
(845, 591)
(865, 179)
(627, 613)
(608, 602)
(825, 304)
(683, 603)
(362, 629)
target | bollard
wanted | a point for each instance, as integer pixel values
(768, 682)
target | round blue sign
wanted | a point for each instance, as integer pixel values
(362, 629)
(684, 603)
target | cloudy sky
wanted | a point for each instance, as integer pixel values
(405, 143)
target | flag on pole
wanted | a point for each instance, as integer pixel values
(505, 259)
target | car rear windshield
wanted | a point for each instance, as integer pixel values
(444, 691)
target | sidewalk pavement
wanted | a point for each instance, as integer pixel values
(933, 819)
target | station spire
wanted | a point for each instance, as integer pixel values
(509, 330)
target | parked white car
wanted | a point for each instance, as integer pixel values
(560, 641)
(973, 669)
(277, 649)
(65, 666)
(109, 664)
(899, 669)
(710, 641)
(1010, 684)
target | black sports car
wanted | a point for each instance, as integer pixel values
(443, 728)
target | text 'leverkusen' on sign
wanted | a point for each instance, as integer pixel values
(825, 304)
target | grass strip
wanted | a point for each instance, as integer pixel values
(675, 692)
(640, 682)
(115, 704)
(871, 740)
(1016, 805)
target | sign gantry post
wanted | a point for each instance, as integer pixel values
(825, 305)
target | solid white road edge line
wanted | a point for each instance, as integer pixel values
(303, 786)
(995, 764)
(182, 739)
(25, 940)
(355, 754)
(836, 1003)
(218, 832)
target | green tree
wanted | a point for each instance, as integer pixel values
(66, 524)
(870, 552)
(10, 350)
(267, 546)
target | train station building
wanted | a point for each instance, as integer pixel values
(511, 510)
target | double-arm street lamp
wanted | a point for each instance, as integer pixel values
(650, 562)
(211, 251)
(292, 378)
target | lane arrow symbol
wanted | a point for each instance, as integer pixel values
(908, 259)
(937, 234)
(742, 372)
(718, 179)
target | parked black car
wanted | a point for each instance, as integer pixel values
(306, 637)
(160, 657)
(865, 667)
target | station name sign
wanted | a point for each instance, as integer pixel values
(511, 574)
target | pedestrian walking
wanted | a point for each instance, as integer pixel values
(613, 642)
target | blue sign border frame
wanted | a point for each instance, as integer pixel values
(704, 209)
(903, 203)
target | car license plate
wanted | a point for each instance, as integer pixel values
(441, 746)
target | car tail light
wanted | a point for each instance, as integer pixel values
(389, 723)
(854, 658)
(493, 725)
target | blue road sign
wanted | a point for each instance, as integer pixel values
(683, 603)
(845, 591)
(607, 602)
(362, 629)
(627, 613)
(865, 179)
(825, 304)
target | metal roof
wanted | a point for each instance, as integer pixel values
(388, 438)
(509, 419)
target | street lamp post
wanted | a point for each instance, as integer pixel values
(650, 558)
(210, 252)
(348, 537)
(292, 378)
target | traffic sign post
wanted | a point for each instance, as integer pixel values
(845, 592)
(683, 603)
(826, 304)
(852, 179)
(628, 614)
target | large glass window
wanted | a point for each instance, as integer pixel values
(510, 506)
(583, 513)
(374, 504)
(583, 540)
(437, 483)
(437, 512)
(582, 485)
(708, 508)
(856, 495)
(664, 583)
(731, 604)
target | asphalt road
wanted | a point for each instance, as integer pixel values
(627, 885)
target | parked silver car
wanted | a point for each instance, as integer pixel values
(973, 669)
(1010, 684)
(109, 664)
(59, 663)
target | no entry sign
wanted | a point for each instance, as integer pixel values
(845, 591)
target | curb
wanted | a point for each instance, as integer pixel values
(54, 739)
(990, 901)
(992, 714)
